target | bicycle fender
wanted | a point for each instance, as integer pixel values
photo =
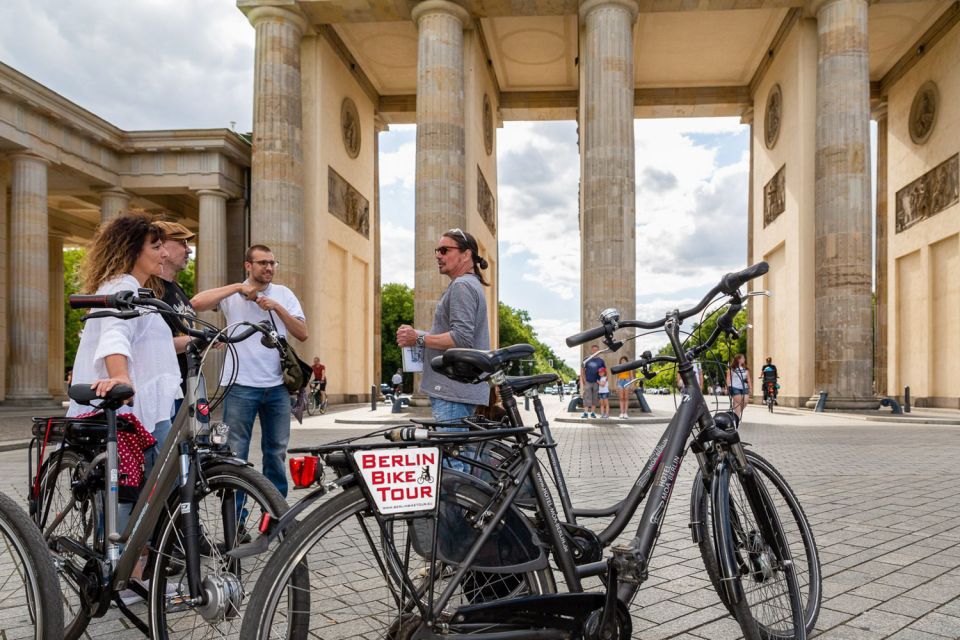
(696, 523)
(211, 459)
(277, 527)
(722, 532)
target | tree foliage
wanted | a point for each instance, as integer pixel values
(71, 317)
(396, 308)
(515, 328)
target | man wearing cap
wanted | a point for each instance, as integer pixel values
(176, 242)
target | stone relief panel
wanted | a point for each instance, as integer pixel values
(487, 125)
(350, 127)
(486, 205)
(923, 112)
(775, 196)
(347, 204)
(772, 117)
(929, 194)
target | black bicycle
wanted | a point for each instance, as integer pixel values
(317, 399)
(383, 560)
(30, 604)
(198, 502)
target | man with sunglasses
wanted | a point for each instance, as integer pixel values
(259, 388)
(459, 321)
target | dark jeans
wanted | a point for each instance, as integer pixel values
(272, 404)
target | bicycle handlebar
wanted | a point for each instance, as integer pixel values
(586, 336)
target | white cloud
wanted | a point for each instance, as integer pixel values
(399, 166)
(396, 253)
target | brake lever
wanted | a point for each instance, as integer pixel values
(122, 315)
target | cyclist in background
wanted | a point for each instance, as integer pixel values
(320, 378)
(769, 376)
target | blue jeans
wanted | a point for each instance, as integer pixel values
(272, 404)
(446, 411)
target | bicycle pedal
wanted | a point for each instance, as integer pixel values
(631, 566)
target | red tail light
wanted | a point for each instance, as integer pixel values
(303, 470)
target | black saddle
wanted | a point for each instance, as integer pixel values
(520, 384)
(83, 394)
(473, 366)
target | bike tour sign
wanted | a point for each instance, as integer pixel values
(401, 480)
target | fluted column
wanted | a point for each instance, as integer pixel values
(277, 162)
(883, 238)
(379, 127)
(56, 370)
(29, 283)
(844, 331)
(747, 118)
(212, 260)
(608, 218)
(236, 238)
(113, 202)
(440, 189)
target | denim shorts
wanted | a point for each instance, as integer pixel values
(604, 395)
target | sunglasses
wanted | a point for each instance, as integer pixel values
(459, 232)
(443, 250)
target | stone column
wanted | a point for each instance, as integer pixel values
(747, 118)
(212, 264)
(276, 212)
(608, 219)
(29, 285)
(236, 238)
(55, 372)
(113, 202)
(440, 188)
(883, 239)
(379, 127)
(844, 330)
(4, 291)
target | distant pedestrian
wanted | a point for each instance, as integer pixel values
(589, 379)
(738, 383)
(397, 382)
(603, 389)
(623, 388)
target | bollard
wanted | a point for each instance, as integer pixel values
(526, 403)
(821, 403)
(397, 405)
(906, 399)
(373, 397)
(644, 407)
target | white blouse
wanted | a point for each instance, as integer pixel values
(151, 360)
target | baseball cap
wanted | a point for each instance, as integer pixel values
(175, 230)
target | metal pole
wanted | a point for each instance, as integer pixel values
(906, 399)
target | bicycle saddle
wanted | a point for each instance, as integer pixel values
(519, 384)
(83, 394)
(473, 365)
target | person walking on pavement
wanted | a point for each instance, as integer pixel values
(738, 383)
(590, 381)
(460, 320)
(259, 389)
(397, 382)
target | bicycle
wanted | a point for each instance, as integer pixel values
(417, 583)
(197, 503)
(30, 596)
(317, 402)
(770, 393)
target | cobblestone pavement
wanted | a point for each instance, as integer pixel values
(883, 500)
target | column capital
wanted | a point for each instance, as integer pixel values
(27, 156)
(813, 6)
(118, 192)
(213, 192)
(441, 6)
(288, 13)
(379, 124)
(878, 108)
(747, 116)
(586, 6)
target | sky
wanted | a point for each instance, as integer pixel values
(157, 64)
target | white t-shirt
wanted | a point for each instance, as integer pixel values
(259, 366)
(396, 379)
(151, 359)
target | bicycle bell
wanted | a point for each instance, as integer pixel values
(610, 316)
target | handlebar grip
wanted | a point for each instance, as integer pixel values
(733, 281)
(106, 301)
(586, 336)
(627, 366)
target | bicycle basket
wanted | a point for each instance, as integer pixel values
(512, 547)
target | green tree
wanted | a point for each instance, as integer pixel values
(71, 317)
(515, 328)
(396, 308)
(187, 279)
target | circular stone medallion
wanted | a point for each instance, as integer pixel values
(772, 117)
(350, 127)
(923, 112)
(487, 125)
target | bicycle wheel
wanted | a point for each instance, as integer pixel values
(29, 589)
(313, 404)
(354, 590)
(72, 508)
(759, 586)
(230, 501)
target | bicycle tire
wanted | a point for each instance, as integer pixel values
(313, 405)
(36, 602)
(221, 484)
(80, 519)
(798, 534)
(322, 546)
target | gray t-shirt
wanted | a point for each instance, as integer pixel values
(462, 311)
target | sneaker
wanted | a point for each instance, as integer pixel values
(584, 415)
(593, 415)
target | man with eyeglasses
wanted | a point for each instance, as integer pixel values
(259, 388)
(459, 321)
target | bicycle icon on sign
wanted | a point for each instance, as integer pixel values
(425, 476)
